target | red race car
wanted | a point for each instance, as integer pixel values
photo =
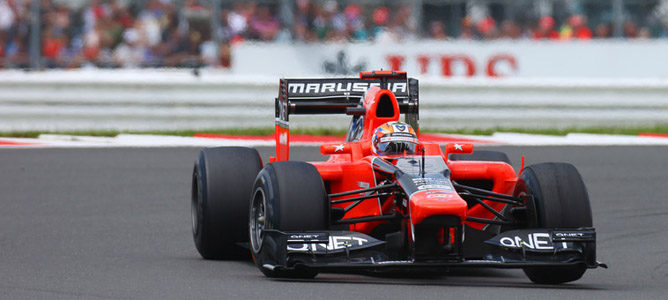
(384, 200)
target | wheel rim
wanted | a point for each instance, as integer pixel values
(257, 220)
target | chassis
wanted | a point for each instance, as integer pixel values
(357, 211)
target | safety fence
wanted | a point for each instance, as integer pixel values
(205, 99)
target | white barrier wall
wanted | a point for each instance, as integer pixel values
(524, 59)
(177, 99)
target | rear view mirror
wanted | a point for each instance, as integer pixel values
(458, 148)
(343, 148)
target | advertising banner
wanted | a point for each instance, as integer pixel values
(457, 59)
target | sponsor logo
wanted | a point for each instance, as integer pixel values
(334, 243)
(338, 148)
(434, 187)
(342, 66)
(303, 236)
(394, 137)
(569, 234)
(583, 236)
(283, 138)
(458, 64)
(538, 241)
(400, 127)
(403, 134)
(432, 184)
(441, 196)
(436, 192)
(429, 180)
(295, 89)
(363, 185)
(311, 237)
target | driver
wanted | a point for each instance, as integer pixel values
(393, 138)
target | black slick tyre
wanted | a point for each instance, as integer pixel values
(221, 182)
(560, 200)
(287, 196)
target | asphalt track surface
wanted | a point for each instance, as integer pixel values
(115, 223)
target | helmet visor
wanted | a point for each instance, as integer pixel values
(396, 147)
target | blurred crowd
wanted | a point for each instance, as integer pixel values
(104, 34)
(545, 28)
(170, 33)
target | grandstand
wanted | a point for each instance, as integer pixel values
(195, 33)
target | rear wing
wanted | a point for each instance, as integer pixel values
(339, 96)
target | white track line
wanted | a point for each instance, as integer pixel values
(135, 140)
(576, 139)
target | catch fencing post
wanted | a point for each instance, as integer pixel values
(35, 43)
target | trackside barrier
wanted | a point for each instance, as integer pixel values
(205, 99)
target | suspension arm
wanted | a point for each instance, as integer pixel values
(485, 192)
(376, 188)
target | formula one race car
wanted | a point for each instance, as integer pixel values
(384, 201)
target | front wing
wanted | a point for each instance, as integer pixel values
(343, 251)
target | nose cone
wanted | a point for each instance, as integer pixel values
(424, 204)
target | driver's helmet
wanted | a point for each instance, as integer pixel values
(394, 138)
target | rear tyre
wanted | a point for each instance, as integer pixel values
(222, 180)
(560, 201)
(287, 196)
(482, 155)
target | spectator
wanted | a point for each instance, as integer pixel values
(644, 33)
(303, 22)
(237, 21)
(225, 55)
(467, 33)
(264, 25)
(545, 29)
(150, 19)
(404, 24)
(16, 53)
(339, 23)
(437, 31)
(172, 33)
(91, 44)
(7, 15)
(52, 46)
(380, 18)
(355, 26)
(131, 53)
(487, 28)
(510, 30)
(321, 22)
(603, 31)
(576, 28)
(630, 30)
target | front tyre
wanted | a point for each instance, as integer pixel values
(287, 196)
(222, 180)
(560, 200)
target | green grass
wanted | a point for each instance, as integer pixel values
(34, 134)
(662, 128)
(233, 131)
